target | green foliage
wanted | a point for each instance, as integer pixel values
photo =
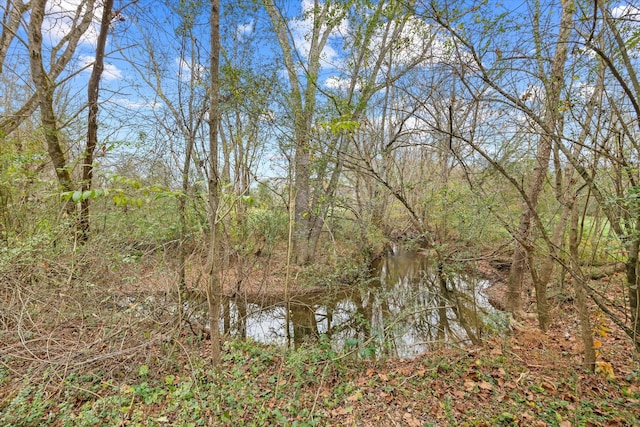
(268, 224)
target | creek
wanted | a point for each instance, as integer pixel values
(409, 306)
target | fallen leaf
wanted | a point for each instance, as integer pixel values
(411, 420)
(605, 370)
(565, 423)
(459, 394)
(355, 397)
(527, 416)
(484, 385)
(548, 386)
(496, 351)
(341, 411)
(383, 377)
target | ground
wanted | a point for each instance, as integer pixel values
(82, 356)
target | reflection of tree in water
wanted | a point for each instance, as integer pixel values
(409, 306)
(415, 306)
(305, 326)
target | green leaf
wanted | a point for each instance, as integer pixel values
(143, 371)
(77, 195)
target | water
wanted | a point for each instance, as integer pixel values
(410, 306)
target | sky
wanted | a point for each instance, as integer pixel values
(127, 99)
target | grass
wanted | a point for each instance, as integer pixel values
(260, 385)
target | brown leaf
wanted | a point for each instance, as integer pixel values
(527, 416)
(565, 423)
(484, 385)
(548, 386)
(496, 351)
(341, 411)
(355, 397)
(411, 420)
(383, 377)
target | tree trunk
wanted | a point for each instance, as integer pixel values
(214, 288)
(633, 292)
(13, 11)
(92, 127)
(578, 281)
(45, 88)
(525, 242)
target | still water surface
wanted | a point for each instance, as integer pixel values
(410, 306)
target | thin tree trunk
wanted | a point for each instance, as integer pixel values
(92, 127)
(13, 11)
(581, 302)
(551, 121)
(214, 289)
(633, 289)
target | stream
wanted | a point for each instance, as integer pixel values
(409, 306)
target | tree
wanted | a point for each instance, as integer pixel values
(45, 86)
(551, 118)
(214, 288)
(93, 90)
(303, 90)
(181, 113)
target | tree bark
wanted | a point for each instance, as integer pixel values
(214, 288)
(525, 243)
(13, 11)
(45, 83)
(45, 89)
(581, 302)
(92, 127)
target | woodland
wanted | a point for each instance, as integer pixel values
(171, 171)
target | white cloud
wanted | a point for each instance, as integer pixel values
(185, 70)
(627, 12)
(301, 30)
(586, 91)
(411, 44)
(338, 83)
(419, 42)
(59, 17)
(244, 30)
(110, 72)
(136, 104)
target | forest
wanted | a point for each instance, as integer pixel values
(320, 212)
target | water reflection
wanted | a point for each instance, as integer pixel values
(410, 306)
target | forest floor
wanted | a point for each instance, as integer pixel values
(79, 356)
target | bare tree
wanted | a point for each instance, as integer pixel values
(92, 126)
(214, 288)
